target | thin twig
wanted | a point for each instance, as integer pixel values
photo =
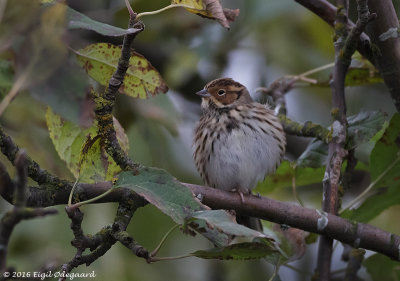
(105, 102)
(22, 179)
(132, 14)
(354, 264)
(19, 212)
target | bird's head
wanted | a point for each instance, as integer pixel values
(224, 93)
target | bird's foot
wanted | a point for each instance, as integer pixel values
(241, 194)
(241, 197)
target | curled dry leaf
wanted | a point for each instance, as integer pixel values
(211, 9)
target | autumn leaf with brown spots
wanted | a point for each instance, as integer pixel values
(141, 81)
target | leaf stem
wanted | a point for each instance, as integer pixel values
(77, 205)
(276, 269)
(152, 259)
(72, 192)
(155, 251)
(371, 185)
(162, 10)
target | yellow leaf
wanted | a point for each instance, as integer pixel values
(83, 150)
(141, 81)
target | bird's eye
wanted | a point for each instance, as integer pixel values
(221, 92)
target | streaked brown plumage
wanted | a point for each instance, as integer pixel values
(237, 141)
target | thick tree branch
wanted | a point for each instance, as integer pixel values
(327, 12)
(357, 234)
(388, 60)
(336, 151)
(345, 46)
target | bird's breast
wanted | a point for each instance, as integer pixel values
(236, 150)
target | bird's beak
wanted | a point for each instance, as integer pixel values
(203, 93)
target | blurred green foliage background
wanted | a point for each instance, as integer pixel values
(268, 40)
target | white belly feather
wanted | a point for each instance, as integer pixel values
(242, 158)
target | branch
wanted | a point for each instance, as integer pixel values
(327, 12)
(277, 90)
(388, 60)
(22, 177)
(7, 186)
(336, 151)
(357, 234)
(308, 129)
(345, 46)
(42, 177)
(102, 241)
(355, 259)
(19, 212)
(105, 102)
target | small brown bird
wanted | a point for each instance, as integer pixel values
(237, 141)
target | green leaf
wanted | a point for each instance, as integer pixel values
(283, 177)
(163, 191)
(385, 172)
(6, 77)
(382, 268)
(95, 164)
(64, 92)
(385, 156)
(356, 76)
(142, 80)
(177, 201)
(374, 205)
(45, 41)
(17, 17)
(82, 150)
(362, 127)
(219, 221)
(241, 251)
(315, 155)
(362, 76)
(77, 20)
